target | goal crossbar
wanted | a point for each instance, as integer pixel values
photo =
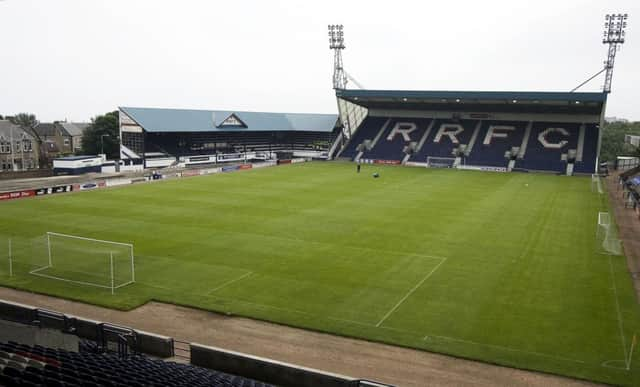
(89, 239)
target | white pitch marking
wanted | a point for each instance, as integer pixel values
(426, 338)
(503, 348)
(314, 242)
(410, 292)
(230, 282)
(608, 364)
(372, 326)
(274, 307)
(620, 326)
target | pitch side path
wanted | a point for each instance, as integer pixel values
(504, 268)
(356, 358)
(628, 229)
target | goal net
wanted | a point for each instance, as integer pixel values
(607, 236)
(596, 183)
(87, 261)
(441, 162)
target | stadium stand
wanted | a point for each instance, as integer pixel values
(24, 365)
(527, 131)
(41, 347)
(491, 150)
(164, 137)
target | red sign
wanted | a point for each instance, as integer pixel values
(17, 195)
(191, 172)
(392, 162)
(245, 166)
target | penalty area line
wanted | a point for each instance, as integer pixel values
(410, 292)
(245, 275)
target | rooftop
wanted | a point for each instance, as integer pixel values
(188, 120)
(476, 100)
(76, 158)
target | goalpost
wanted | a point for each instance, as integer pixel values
(440, 162)
(596, 183)
(606, 235)
(88, 261)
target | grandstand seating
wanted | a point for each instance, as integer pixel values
(438, 144)
(190, 144)
(545, 149)
(490, 151)
(393, 139)
(367, 130)
(23, 365)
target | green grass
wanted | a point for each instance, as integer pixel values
(502, 268)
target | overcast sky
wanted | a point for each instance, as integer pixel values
(74, 59)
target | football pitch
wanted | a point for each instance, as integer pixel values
(499, 267)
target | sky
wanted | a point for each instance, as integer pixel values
(75, 59)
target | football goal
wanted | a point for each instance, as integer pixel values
(596, 183)
(441, 162)
(87, 261)
(606, 235)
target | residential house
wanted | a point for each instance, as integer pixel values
(18, 148)
(75, 129)
(55, 140)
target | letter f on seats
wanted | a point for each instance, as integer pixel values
(494, 132)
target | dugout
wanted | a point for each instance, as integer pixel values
(77, 165)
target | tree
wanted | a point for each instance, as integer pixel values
(25, 120)
(613, 144)
(103, 131)
(1, 117)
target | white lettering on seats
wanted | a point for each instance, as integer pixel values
(491, 133)
(449, 130)
(542, 137)
(403, 128)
